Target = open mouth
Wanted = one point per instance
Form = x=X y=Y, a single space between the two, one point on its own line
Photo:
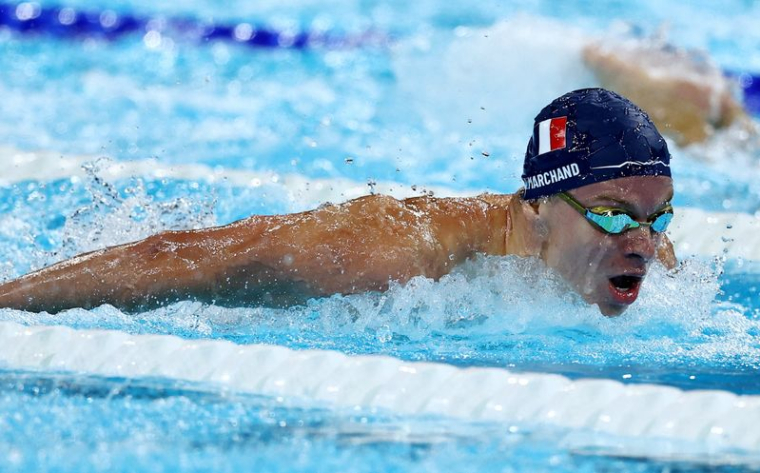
x=625 y=288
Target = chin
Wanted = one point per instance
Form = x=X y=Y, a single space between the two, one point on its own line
x=611 y=310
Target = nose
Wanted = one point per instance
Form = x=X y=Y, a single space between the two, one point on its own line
x=641 y=243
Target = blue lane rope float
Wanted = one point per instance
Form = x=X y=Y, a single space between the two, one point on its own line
x=109 y=25
x=750 y=85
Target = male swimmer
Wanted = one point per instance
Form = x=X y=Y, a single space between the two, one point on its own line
x=595 y=207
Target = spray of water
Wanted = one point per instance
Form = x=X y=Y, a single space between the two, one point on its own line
x=114 y=217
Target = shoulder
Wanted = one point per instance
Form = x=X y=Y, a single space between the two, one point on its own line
x=386 y=201
x=498 y=200
x=468 y=224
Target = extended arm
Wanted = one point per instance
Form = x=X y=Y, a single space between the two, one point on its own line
x=272 y=260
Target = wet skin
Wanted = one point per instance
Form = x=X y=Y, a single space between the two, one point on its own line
x=588 y=258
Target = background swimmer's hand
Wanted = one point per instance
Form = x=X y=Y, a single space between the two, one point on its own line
x=685 y=94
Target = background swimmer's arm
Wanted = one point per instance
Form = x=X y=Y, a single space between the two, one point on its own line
x=686 y=96
x=276 y=260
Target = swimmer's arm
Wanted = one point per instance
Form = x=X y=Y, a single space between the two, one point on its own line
x=271 y=260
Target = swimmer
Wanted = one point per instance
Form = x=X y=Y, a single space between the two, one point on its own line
x=594 y=208
x=687 y=96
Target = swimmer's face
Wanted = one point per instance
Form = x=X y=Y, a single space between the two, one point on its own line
x=606 y=270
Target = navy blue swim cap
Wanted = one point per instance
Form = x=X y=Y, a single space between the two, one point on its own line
x=588 y=136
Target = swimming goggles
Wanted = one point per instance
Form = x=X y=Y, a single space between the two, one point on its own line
x=615 y=221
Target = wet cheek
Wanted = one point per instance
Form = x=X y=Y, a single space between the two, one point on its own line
x=583 y=249
x=576 y=251
x=589 y=268
x=572 y=262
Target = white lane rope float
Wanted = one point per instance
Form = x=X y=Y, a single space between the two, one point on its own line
x=718 y=417
x=488 y=394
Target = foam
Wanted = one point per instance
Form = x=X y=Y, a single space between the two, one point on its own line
x=490 y=394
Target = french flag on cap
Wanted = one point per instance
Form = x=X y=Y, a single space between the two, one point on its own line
x=551 y=134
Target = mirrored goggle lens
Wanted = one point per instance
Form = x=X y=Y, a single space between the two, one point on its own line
x=611 y=223
x=662 y=221
x=615 y=224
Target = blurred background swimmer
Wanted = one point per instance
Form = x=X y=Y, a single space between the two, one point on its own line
x=685 y=93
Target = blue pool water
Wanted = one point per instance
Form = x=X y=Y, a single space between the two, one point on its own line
x=446 y=103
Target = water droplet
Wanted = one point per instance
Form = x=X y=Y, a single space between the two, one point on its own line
x=384 y=334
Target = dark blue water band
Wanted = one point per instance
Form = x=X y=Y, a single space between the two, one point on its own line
x=65 y=22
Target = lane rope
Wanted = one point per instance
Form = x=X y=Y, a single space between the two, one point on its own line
x=721 y=419
x=750 y=87
x=110 y=25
